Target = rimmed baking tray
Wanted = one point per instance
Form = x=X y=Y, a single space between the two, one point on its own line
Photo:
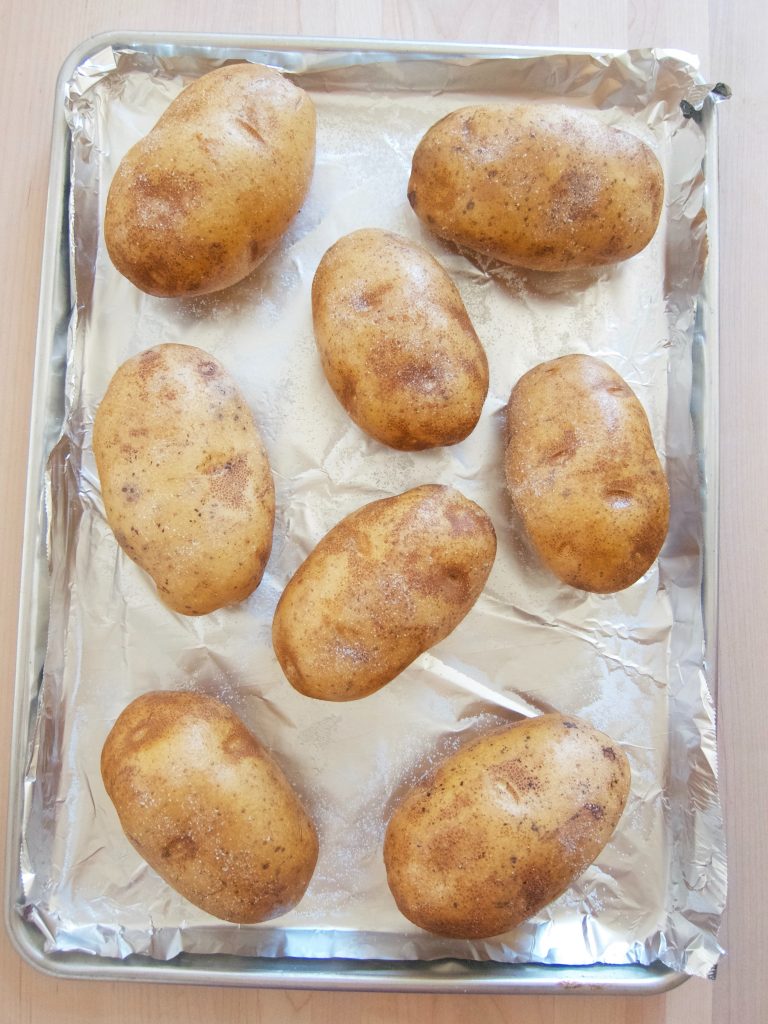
x=47 y=418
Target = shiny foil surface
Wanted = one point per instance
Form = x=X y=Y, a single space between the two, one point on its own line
x=634 y=664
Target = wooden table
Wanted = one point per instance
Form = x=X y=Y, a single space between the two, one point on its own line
x=732 y=41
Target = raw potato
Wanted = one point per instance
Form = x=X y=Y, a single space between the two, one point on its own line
x=207 y=807
x=584 y=475
x=198 y=203
x=185 y=479
x=396 y=343
x=540 y=187
x=388 y=582
x=504 y=826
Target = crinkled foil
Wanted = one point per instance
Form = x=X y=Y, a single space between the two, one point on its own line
x=632 y=663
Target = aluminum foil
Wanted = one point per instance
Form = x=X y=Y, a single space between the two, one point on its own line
x=632 y=663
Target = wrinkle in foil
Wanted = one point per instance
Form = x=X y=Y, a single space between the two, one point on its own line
x=631 y=663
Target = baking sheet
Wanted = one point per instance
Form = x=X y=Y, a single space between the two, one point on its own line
x=632 y=663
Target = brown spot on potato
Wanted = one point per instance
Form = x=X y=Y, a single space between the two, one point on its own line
x=182 y=847
x=149 y=363
x=375 y=295
x=256 y=251
x=229 y=480
x=461 y=316
x=250 y=129
x=536 y=885
x=165 y=193
x=422 y=378
x=565 y=448
x=515 y=775
x=451 y=585
x=346 y=390
x=238 y=744
x=575 y=193
x=461 y=520
x=130 y=492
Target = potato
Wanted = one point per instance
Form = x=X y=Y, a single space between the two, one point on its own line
x=396 y=343
x=504 y=826
x=185 y=479
x=198 y=203
x=584 y=475
x=388 y=582
x=540 y=187
x=207 y=808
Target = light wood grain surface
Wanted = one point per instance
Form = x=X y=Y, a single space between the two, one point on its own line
x=732 y=41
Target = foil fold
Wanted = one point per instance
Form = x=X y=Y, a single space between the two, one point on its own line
x=633 y=663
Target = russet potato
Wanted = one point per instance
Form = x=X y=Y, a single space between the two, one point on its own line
x=584 y=475
x=385 y=584
x=504 y=826
x=540 y=187
x=207 y=807
x=200 y=201
x=185 y=478
x=396 y=343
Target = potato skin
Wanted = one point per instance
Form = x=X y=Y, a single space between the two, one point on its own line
x=199 y=202
x=504 y=826
x=385 y=584
x=584 y=475
x=207 y=808
x=396 y=343
x=540 y=187
x=185 y=478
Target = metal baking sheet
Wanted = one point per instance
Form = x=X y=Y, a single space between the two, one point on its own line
x=418 y=82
